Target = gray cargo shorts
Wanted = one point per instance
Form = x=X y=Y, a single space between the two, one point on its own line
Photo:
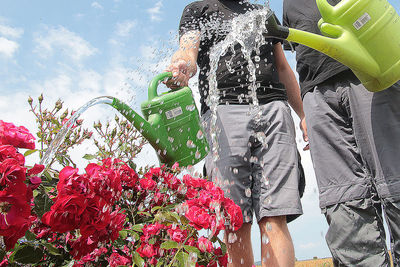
x=255 y=161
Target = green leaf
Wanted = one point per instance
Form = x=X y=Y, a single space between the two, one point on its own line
x=169 y=244
x=192 y=249
x=29 y=152
x=160 y=263
x=28 y=255
x=137 y=228
x=42 y=204
x=182 y=258
x=155 y=209
x=30 y=236
x=89 y=156
x=144 y=213
x=52 y=249
x=138 y=259
x=123 y=234
x=2 y=254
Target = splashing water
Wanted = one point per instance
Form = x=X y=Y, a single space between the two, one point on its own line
x=60 y=137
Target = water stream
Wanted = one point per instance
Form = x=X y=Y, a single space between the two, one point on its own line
x=60 y=137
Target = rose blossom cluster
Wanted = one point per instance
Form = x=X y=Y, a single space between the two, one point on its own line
x=16 y=184
x=87 y=202
x=199 y=205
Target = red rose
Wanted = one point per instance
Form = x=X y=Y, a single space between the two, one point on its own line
x=205 y=245
x=153 y=172
x=177 y=234
x=128 y=176
x=15 y=218
x=151 y=230
x=82 y=247
x=38 y=168
x=147 y=184
x=191 y=193
x=147 y=250
x=16 y=136
x=66 y=213
x=71 y=182
x=234 y=214
x=222 y=259
x=116 y=260
x=11 y=172
x=193 y=182
x=172 y=181
x=105 y=182
x=10 y=152
x=198 y=217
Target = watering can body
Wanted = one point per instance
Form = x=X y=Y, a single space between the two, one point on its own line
x=362 y=34
x=171 y=124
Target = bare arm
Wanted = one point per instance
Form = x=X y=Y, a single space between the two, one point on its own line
x=183 y=63
x=287 y=77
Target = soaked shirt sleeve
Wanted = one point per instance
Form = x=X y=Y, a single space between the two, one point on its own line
x=190 y=19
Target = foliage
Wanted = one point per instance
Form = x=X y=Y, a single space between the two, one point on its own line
x=109 y=215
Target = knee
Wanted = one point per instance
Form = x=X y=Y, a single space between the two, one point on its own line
x=273 y=224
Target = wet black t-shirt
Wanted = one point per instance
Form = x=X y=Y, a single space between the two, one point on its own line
x=313 y=67
x=211 y=18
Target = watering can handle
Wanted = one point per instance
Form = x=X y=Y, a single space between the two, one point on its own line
x=329 y=13
x=155 y=82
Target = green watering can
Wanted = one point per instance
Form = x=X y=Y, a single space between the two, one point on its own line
x=361 y=34
x=171 y=124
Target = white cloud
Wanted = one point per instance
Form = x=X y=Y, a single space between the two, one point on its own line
x=11 y=32
x=96 y=5
x=68 y=43
x=309 y=245
x=8 y=47
x=124 y=28
x=90 y=80
x=155 y=11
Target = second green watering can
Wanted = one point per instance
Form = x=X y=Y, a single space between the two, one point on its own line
x=171 y=124
x=362 y=34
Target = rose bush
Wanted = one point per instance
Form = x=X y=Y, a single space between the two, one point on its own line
x=112 y=213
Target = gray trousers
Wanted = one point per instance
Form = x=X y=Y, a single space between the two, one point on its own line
x=355 y=147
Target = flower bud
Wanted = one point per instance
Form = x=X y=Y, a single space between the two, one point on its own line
x=30 y=100
x=58 y=104
x=40 y=98
x=116 y=118
x=64 y=115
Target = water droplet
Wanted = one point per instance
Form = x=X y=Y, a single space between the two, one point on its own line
x=190 y=144
x=265 y=239
x=232 y=238
x=200 y=134
x=248 y=192
x=235 y=170
x=190 y=107
x=197 y=155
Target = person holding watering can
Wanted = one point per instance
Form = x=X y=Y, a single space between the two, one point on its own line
x=355 y=147
x=267 y=185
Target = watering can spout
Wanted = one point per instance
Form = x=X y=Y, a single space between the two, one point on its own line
x=361 y=34
x=141 y=124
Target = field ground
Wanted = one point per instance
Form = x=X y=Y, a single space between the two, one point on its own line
x=324 y=262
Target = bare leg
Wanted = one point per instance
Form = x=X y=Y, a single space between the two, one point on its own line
x=276 y=244
x=239 y=246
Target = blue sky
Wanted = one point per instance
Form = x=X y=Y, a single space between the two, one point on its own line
x=78 y=50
